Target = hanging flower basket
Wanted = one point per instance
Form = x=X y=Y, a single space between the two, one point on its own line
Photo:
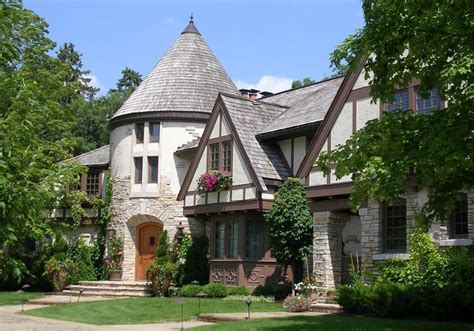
x=213 y=181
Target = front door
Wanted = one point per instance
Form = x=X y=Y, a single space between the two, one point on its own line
x=148 y=237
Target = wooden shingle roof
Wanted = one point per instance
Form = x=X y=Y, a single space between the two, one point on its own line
x=187 y=79
x=96 y=157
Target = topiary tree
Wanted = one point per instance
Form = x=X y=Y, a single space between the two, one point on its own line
x=291 y=223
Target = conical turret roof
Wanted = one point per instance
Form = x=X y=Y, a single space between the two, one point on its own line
x=187 y=79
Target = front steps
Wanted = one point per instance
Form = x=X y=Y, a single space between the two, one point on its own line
x=326 y=308
x=110 y=289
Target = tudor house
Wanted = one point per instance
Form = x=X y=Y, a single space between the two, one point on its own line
x=281 y=135
x=187 y=119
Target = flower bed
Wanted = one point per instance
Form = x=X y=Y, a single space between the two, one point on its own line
x=213 y=181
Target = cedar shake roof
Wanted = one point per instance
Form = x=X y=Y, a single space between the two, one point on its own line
x=307 y=104
x=96 y=157
x=249 y=117
x=188 y=78
x=188 y=148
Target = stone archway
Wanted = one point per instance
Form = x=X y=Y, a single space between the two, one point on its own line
x=147 y=230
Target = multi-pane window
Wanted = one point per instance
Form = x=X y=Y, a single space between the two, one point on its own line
x=93 y=183
x=254 y=245
x=395 y=226
x=138 y=161
x=214 y=164
x=400 y=101
x=153 y=169
x=232 y=239
x=139 y=132
x=219 y=240
x=458 y=224
x=154 y=132
x=227 y=156
x=425 y=106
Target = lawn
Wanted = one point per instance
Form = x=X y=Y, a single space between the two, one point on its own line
x=303 y=323
x=15 y=298
x=144 y=310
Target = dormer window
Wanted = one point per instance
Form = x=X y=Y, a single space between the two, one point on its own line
x=425 y=106
x=220 y=156
x=400 y=102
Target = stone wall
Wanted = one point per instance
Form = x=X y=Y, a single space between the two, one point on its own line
x=128 y=213
x=327 y=248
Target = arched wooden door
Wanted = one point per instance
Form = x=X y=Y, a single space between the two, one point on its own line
x=147 y=240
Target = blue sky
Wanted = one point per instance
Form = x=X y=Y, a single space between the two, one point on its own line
x=263 y=44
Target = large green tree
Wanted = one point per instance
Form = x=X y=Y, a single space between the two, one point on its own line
x=432 y=41
x=93 y=115
x=290 y=224
x=34 y=125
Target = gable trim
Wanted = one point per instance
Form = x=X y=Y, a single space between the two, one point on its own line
x=201 y=147
x=329 y=121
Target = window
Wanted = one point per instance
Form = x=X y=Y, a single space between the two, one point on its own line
x=395 y=226
x=138 y=169
x=227 y=156
x=400 y=102
x=214 y=157
x=154 y=132
x=458 y=224
x=139 y=132
x=425 y=106
x=254 y=245
x=220 y=156
x=93 y=183
x=220 y=237
x=153 y=169
x=232 y=240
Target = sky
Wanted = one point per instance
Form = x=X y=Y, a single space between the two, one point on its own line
x=262 y=44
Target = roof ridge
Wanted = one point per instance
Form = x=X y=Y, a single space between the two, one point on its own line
x=302 y=87
x=258 y=101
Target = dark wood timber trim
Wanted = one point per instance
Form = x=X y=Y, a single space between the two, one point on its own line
x=329 y=190
x=187 y=116
x=329 y=120
x=272 y=182
x=360 y=93
x=297 y=131
x=253 y=204
x=201 y=148
x=354 y=116
x=219 y=139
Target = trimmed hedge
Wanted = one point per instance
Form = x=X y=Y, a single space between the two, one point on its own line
x=386 y=299
x=240 y=290
x=190 y=290
x=278 y=292
x=215 y=290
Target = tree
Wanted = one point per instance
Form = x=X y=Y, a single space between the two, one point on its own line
x=34 y=133
x=93 y=115
x=290 y=224
x=68 y=55
x=431 y=41
x=306 y=81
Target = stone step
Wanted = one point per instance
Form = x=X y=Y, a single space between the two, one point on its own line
x=328 y=308
x=109 y=289
x=106 y=293
x=109 y=284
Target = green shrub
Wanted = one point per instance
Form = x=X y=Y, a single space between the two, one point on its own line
x=82 y=267
x=240 y=290
x=215 y=290
x=196 y=267
x=278 y=292
x=190 y=290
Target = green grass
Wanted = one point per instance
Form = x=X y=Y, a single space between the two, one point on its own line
x=144 y=310
x=303 y=323
x=14 y=298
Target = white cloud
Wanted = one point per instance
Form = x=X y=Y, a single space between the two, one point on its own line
x=272 y=84
x=94 y=81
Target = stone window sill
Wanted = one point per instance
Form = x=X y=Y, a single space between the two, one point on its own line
x=136 y=195
x=455 y=242
x=386 y=256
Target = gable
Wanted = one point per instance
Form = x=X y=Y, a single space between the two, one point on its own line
x=349 y=112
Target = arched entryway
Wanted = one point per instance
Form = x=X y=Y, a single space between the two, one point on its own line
x=148 y=235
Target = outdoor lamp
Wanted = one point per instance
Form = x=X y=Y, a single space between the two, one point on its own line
x=110 y=233
x=248 y=302
x=179 y=234
x=200 y=295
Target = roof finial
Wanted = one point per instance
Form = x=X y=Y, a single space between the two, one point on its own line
x=191 y=18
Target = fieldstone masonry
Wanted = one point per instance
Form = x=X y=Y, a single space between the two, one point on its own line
x=128 y=213
x=327 y=248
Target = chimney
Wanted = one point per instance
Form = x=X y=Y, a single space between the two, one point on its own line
x=249 y=93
